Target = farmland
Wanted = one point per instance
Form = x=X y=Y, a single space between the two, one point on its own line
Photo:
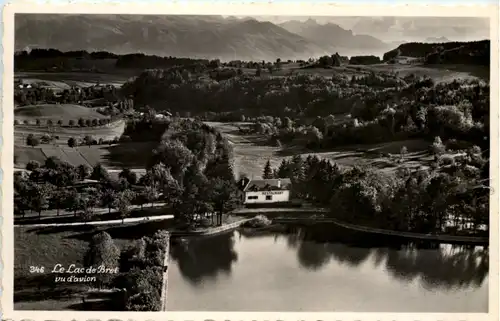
x=55 y=112
x=106 y=132
x=64 y=80
x=251 y=154
x=116 y=156
x=438 y=73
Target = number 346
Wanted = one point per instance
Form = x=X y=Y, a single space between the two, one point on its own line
x=37 y=269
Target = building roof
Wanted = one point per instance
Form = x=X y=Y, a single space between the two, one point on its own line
x=257 y=185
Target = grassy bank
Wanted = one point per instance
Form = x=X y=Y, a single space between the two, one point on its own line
x=63 y=245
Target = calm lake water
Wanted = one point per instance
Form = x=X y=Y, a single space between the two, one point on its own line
x=292 y=271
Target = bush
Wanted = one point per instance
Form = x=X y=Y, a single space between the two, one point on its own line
x=446 y=160
x=205 y=222
x=32 y=165
x=258 y=221
x=144 y=301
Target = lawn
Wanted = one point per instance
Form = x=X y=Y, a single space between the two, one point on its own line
x=63 y=80
x=134 y=155
x=62 y=245
x=23 y=155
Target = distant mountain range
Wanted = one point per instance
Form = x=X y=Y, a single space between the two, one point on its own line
x=332 y=35
x=226 y=38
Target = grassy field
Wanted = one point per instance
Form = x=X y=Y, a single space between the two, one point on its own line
x=62 y=245
x=107 y=132
x=56 y=112
x=439 y=73
x=64 y=80
x=251 y=153
x=117 y=156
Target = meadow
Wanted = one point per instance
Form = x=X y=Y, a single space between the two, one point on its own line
x=251 y=153
x=116 y=156
x=439 y=73
x=64 y=80
x=55 y=112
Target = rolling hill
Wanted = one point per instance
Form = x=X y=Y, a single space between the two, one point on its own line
x=466 y=53
x=56 y=112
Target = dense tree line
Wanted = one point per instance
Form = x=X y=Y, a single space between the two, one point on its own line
x=39 y=59
x=364 y=60
x=253 y=96
x=74 y=95
x=450 y=197
x=142 y=61
x=420 y=109
x=474 y=52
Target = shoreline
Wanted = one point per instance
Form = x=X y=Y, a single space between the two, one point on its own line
x=471 y=240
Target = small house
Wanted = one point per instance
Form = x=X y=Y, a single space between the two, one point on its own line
x=265 y=191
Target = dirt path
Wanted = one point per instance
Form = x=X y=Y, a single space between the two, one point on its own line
x=127 y=220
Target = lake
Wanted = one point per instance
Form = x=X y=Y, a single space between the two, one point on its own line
x=292 y=271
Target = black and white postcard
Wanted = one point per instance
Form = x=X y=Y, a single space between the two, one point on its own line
x=237 y=159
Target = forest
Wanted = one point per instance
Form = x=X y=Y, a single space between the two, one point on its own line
x=363 y=109
x=473 y=52
x=451 y=197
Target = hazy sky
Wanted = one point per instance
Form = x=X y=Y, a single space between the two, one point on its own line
x=403 y=28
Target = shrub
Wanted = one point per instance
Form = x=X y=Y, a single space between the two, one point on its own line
x=46 y=138
x=144 y=301
x=32 y=165
x=446 y=160
x=437 y=146
x=258 y=221
x=72 y=142
x=31 y=140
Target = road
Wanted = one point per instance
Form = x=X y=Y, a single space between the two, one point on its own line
x=51 y=214
x=127 y=220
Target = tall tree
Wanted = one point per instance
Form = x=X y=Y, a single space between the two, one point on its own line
x=102 y=252
x=268 y=171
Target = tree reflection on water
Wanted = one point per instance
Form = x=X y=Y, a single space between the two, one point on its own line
x=443 y=267
x=204 y=258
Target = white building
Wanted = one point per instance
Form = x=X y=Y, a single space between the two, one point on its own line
x=265 y=191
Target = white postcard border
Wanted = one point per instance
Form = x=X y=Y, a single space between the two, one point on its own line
x=230 y=8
